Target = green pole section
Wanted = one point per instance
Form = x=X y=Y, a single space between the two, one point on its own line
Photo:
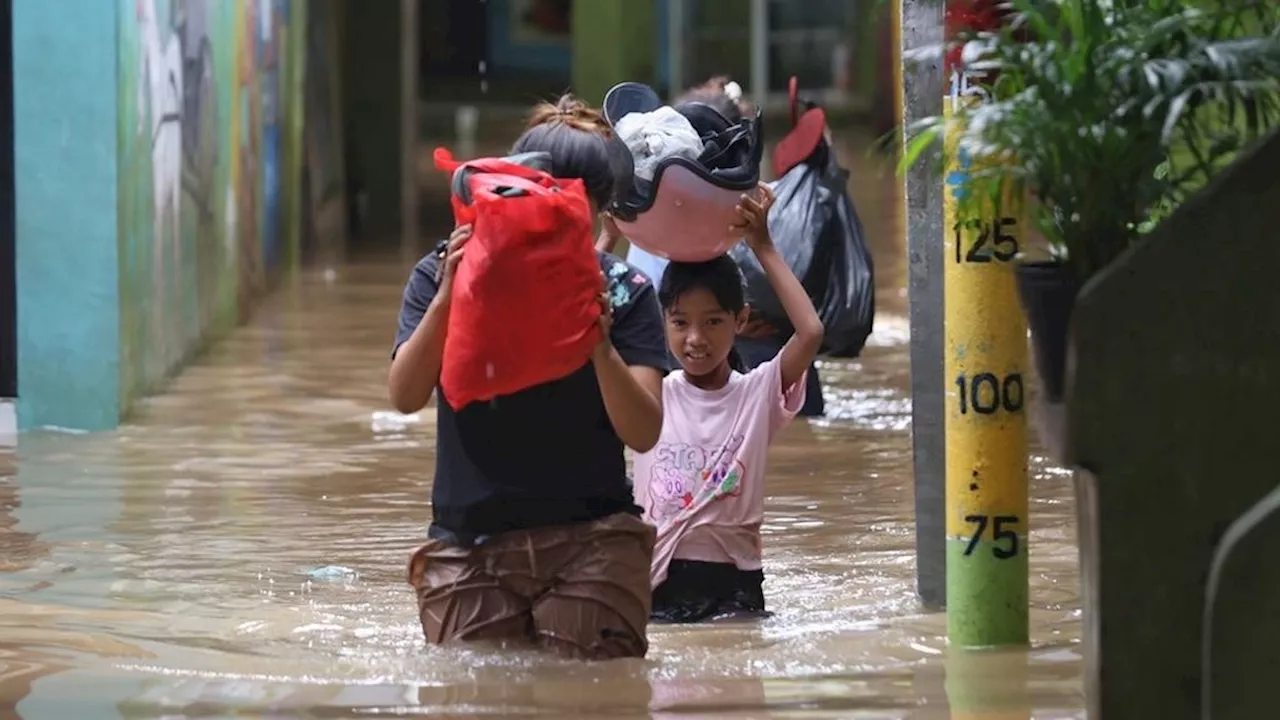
x=612 y=43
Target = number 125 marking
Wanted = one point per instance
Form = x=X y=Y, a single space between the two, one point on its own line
x=992 y=241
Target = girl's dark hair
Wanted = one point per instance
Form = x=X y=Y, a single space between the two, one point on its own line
x=576 y=137
x=719 y=276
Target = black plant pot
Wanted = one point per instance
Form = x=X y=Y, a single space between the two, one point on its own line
x=1048 y=293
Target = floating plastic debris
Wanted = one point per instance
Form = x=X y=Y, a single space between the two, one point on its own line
x=333 y=572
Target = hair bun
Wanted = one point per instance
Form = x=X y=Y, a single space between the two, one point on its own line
x=570 y=111
x=570 y=105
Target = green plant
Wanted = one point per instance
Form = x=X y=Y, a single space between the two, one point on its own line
x=1109 y=112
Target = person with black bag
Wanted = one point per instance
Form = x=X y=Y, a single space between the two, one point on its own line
x=817 y=231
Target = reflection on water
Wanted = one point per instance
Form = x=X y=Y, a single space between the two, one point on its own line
x=240 y=547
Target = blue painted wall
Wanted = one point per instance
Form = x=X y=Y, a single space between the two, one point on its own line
x=64 y=93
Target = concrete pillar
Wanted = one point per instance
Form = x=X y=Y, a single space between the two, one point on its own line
x=921 y=86
x=759 y=52
x=65 y=127
x=613 y=41
x=409 y=30
x=295 y=137
x=372 y=113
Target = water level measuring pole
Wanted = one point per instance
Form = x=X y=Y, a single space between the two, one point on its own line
x=985 y=354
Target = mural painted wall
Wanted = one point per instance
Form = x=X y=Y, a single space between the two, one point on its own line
x=203 y=90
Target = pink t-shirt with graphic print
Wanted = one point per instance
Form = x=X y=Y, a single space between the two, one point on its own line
x=702 y=485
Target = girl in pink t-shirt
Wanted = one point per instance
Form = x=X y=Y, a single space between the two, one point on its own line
x=702 y=485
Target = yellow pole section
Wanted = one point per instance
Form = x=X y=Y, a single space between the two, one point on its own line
x=985 y=341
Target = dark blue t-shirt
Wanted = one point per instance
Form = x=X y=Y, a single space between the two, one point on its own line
x=543 y=456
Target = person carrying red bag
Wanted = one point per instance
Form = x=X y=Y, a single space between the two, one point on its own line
x=536 y=535
x=530 y=246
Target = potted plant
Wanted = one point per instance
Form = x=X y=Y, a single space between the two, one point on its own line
x=1103 y=115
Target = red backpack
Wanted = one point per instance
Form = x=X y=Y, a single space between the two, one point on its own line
x=524 y=308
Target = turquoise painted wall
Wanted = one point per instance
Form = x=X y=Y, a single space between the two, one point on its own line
x=64 y=93
x=158 y=159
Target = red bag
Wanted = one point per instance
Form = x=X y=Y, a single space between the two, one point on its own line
x=524 y=308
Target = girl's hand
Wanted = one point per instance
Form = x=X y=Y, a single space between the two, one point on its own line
x=450 y=256
x=632 y=395
x=610 y=226
x=610 y=234
x=605 y=346
x=755 y=218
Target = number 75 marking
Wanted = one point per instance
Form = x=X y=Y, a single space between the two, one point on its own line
x=998 y=533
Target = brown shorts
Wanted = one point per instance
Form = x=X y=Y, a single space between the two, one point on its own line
x=579 y=590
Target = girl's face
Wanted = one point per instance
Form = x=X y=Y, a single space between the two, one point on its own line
x=700 y=333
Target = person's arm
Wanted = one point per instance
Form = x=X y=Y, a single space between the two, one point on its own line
x=632 y=398
x=802 y=347
x=631 y=360
x=424 y=316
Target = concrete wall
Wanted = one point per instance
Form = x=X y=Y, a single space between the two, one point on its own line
x=158 y=153
x=1171 y=409
x=323 y=199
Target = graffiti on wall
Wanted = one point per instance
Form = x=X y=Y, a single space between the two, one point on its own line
x=201 y=107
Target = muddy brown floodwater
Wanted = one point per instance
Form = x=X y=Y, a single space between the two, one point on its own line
x=166 y=570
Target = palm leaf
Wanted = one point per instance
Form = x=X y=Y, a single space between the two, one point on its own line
x=1108 y=111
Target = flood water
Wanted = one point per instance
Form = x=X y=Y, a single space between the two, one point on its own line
x=238 y=549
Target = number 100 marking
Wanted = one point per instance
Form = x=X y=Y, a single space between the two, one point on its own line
x=986 y=393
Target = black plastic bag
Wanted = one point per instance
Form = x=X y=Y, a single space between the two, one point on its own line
x=816 y=229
